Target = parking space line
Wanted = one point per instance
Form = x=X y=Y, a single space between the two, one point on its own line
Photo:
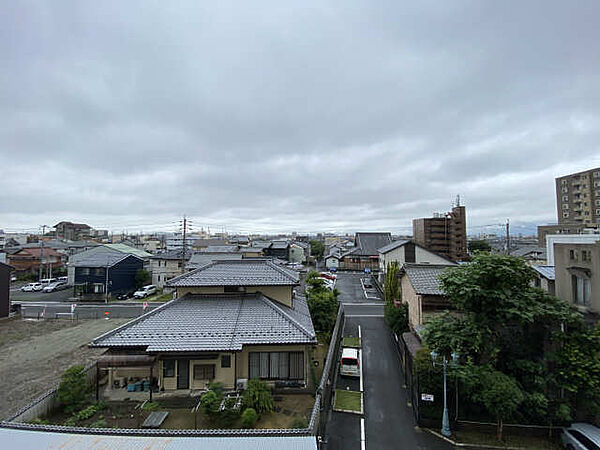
x=363 y=440
x=360 y=361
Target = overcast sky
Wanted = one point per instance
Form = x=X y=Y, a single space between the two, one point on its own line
x=280 y=116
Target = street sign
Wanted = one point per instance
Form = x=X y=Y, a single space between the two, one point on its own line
x=367 y=270
x=427 y=397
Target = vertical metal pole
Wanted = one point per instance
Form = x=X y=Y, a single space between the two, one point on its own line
x=150 y=382
x=97 y=382
x=445 y=421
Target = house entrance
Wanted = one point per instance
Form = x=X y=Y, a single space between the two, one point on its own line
x=183 y=374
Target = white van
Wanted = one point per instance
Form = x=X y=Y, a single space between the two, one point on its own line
x=349 y=364
x=47 y=280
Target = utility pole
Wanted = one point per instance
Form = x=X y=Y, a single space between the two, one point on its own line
x=507 y=237
x=185 y=223
x=42 y=250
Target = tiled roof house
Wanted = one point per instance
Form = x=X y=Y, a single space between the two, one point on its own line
x=230 y=321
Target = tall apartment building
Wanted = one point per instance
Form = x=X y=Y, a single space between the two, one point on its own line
x=578 y=198
x=445 y=234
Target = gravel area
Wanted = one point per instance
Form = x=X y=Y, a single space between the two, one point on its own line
x=34 y=354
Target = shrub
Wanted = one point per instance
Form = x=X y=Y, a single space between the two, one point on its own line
x=150 y=406
x=299 y=422
x=73 y=390
x=38 y=421
x=258 y=396
x=210 y=403
x=249 y=418
x=216 y=387
x=70 y=422
x=100 y=423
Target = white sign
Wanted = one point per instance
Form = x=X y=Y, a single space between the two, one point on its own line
x=427 y=397
x=73 y=306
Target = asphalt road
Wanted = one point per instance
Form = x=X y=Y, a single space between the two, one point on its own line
x=389 y=423
x=49 y=310
x=57 y=296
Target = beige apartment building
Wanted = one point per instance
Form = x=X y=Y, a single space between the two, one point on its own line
x=578 y=198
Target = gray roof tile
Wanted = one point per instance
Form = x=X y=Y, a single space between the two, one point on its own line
x=367 y=244
x=425 y=277
x=237 y=273
x=214 y=323
x=100 y=256
x=545 y=271
x=394 y=245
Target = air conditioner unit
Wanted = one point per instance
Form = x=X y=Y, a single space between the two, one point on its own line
x=242 y=383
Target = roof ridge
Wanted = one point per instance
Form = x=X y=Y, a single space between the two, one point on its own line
x=191 y=272
x=278 y=309
x=135 y=320
x=283 y=271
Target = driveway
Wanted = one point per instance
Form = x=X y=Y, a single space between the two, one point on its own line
x=388 y=421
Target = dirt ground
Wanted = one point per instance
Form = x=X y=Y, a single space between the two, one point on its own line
x=33 y=355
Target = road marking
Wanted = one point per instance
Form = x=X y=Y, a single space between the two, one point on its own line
x=360 y=360
x=362 y=434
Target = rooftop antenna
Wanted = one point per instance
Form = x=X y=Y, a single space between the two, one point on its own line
x=458 y=200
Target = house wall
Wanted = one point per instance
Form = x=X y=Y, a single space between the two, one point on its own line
x=4 y=290
x=121 y=276
x=414 y=302
x=226 y=375
x=242 y=363
x=565 y=267
x=297 y=254
x=282 y=294
x=163 y=270
x=332 y=262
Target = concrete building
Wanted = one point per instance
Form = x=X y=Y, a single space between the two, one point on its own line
x=567 y=239
x=445 y=234
x=545 y=279
x=72 y=231
x=577 y=273
x=578 y=198
x=566 y=228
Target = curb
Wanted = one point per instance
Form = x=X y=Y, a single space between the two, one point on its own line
x=463 y=445
x=351 y=411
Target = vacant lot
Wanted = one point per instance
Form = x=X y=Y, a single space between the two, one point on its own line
x=33 y=355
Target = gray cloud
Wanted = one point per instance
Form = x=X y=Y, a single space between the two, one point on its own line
x=270 y=116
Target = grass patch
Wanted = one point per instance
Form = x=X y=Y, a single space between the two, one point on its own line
x=352 y=342
x=348 y=400
x=508 y=440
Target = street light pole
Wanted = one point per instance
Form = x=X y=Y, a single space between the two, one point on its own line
x=445 y=419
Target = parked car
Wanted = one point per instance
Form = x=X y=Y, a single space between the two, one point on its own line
x=145 y=291
x=65 y=279
x=32 y=287
x=349 y=363
x=47 y=280
x=125 y=295
x=328 y=276
x=56 y=286
x=581 y=436
x=367 y=283
x=13 y=278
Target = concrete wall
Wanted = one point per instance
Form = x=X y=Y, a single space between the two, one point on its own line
x=565 y=268
x=424 y=256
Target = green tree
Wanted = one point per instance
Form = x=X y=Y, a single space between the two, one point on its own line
x=479 y=246
x=501 y=396
x=395 y=316
x=142 y=278
x=317 y=249
x=258 y=396
x=73 y=391
x=322 y=303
